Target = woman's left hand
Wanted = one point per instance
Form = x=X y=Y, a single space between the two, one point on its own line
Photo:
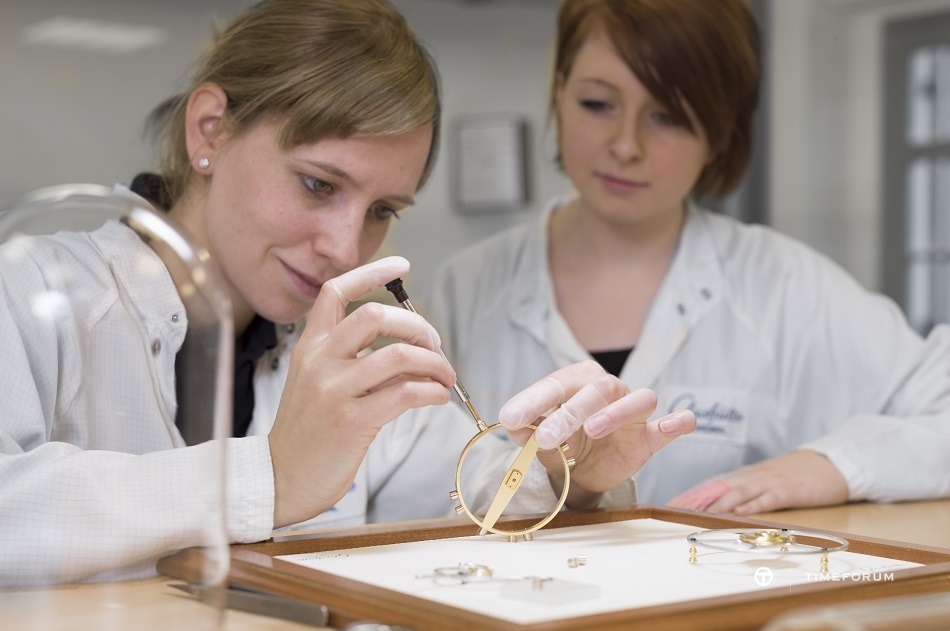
x=616 y=439
x=798 y=479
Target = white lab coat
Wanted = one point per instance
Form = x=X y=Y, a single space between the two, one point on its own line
x=773 y=346
x=95 y=480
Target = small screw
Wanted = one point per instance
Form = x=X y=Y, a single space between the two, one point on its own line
x=576 y=561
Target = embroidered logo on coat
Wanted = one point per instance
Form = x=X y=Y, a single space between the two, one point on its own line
x=705 y=415
x=720 y=412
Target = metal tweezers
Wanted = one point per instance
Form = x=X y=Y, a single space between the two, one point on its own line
x=261 y=603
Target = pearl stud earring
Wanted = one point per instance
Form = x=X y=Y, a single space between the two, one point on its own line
x=204 y=163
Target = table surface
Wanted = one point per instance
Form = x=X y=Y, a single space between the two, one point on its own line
x=154 y=604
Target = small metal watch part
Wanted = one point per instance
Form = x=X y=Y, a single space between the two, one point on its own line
x=766 y=541
x=576 y=561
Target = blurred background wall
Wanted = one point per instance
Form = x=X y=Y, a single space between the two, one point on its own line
x=73 y=111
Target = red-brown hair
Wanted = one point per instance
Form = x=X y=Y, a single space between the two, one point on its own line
x=701 y=52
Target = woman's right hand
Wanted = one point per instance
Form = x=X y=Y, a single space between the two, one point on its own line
x=334 y=403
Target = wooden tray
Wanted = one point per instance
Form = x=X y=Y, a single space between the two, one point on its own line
x=253 y=566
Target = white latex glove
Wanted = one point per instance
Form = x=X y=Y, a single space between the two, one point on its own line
x=335 y=402
x=616 y=439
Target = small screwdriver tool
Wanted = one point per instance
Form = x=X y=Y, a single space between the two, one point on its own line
x=396 y=289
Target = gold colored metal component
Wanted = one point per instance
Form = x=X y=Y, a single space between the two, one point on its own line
x=514 y=479
x=509 y=485
x=478 y=421
x=453 y=495
x=512 y=538
x=528 y=536
x=511 y=482
x=577 y=561
x=459 y=509
x=766 y=538
x=565 y=446
x=766 y=542
x=571 y=462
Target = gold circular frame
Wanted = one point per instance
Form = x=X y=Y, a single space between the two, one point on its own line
x=500 y=531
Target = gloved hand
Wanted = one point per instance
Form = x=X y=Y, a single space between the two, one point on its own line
x=616 y=439
x=334 y=403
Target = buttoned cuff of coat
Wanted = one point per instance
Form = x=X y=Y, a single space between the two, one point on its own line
x=855 y=475
x=849 y=449
x=887 y=459
x=250 y=491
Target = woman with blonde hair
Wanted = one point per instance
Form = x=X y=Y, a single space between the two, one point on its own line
x=309 y=125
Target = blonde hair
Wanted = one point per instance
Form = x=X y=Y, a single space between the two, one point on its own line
x=325 y=68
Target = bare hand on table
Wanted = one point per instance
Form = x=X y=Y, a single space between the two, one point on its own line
x=616 y=439
x=334 y=403
x=799 y=479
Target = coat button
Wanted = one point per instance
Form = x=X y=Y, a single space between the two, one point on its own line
x=156 y=347
x=274 y=364
x=175 y=317
x=288 y=328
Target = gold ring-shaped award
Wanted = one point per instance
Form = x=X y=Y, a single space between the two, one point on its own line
x=509 y=486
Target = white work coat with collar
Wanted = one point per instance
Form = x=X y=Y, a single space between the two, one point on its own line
x=772 y=345
x=95 y=480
